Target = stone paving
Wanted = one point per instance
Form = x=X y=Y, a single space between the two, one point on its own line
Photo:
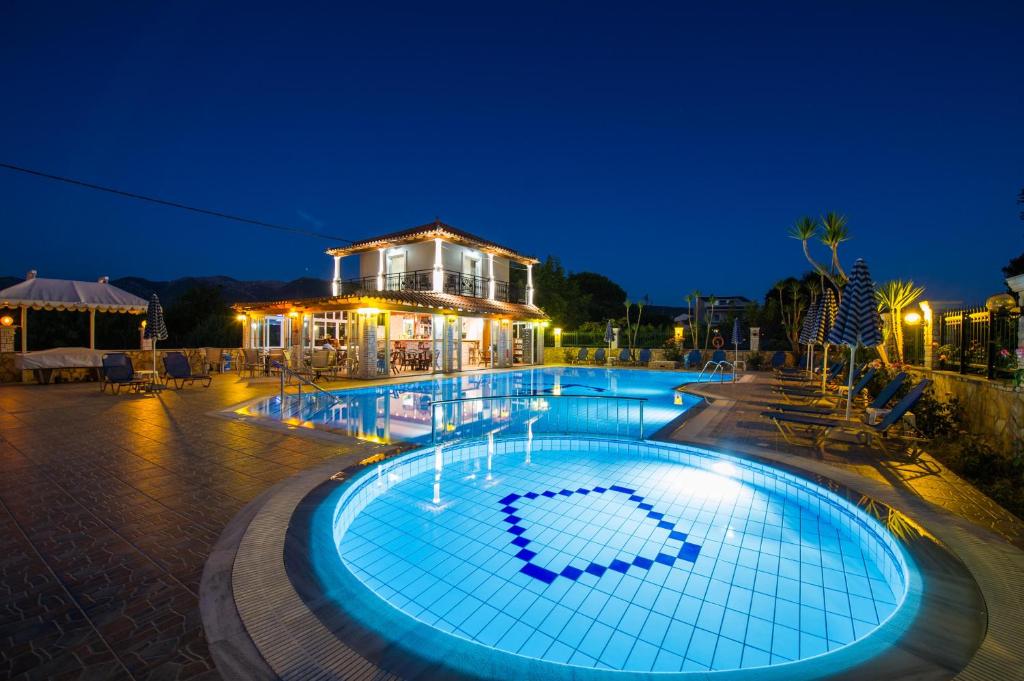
x=110 y=505
x=108 y=509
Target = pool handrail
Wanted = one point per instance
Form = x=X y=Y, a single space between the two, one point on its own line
x=534 y=395
x=716 y=366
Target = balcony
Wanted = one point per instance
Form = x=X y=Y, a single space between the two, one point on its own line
x=454 y=283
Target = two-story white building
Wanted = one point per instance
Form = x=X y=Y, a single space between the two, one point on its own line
x=431 y=298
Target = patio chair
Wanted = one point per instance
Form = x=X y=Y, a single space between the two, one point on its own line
x=622 y=358
x=778 y=360
x=250 y=361
x=179 y=371
x=599 y=357
x=644 y=358
x=581 y=356
x=872 y=434
x=718 y=356
x=882 y=399
x=692 y=359
x=118 y=371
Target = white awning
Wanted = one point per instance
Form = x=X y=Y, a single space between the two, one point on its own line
x=65 y=294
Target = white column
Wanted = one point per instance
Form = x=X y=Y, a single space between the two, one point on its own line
x=380 y=269
x=503 y=344
x=438 y=267
x=336 y=284
x=529 y=284
x=490 y=275
x=928 y=332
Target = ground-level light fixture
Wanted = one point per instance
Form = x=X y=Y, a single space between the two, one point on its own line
x=912 y=318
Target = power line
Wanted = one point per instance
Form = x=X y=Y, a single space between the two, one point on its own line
x=173 y=204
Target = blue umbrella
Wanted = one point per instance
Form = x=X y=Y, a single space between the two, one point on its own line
x=826 y=319
x=858 y=322
x=807 y=331
x=156 y=329
x=736 y=340
x=609 y=335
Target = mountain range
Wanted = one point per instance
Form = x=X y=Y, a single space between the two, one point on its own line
x=232 y=290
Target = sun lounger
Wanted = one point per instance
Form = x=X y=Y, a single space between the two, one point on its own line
x=117 y=372
x=873 y=434
x=178 y=370
x=622 y=358
x=778 y=360
x=693 y=359
x=813 y=409
x=581 y=356
x=599 y=357
x=645 y=358
x=879 y=402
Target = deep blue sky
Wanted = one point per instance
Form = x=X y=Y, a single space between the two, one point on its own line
x=667 y=147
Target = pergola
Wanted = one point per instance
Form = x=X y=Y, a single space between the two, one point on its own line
x=67 y=295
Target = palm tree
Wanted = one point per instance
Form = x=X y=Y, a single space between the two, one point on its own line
x=712 y=301
x=693 y=316
x=835 y=232
x=804 y=230
x=639 y=313
x=892 y=297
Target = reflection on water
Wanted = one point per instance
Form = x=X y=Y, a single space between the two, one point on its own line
x=390 y=413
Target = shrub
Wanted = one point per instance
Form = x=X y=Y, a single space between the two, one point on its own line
x=755 y=361
x=673 y=353
x=569 y=355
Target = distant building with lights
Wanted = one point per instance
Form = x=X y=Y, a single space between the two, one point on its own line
x=453 y=300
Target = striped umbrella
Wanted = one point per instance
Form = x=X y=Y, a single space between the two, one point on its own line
x=736 y=340
x=156 y=329
x=808 y=329
x=826 y=319
x=857 y=322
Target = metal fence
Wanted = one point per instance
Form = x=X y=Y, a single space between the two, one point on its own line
x=978 y=341
x=468 y=417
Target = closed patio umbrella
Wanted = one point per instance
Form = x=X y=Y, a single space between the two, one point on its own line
x=857 y=322
x=823 y=324
x=736 y=340
x=156 y=329
x=609 y=335
x=807 y=330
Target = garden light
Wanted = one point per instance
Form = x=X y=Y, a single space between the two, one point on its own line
x=6 y=320
x=912 y=318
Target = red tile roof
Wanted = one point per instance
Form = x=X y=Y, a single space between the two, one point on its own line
x=433 y=230
x=440 y=302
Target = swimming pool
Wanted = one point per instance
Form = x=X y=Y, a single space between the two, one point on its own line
x=566 y=557
x=402 y=412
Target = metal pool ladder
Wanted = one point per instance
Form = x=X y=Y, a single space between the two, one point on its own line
x=718 y=368
x=301 y=380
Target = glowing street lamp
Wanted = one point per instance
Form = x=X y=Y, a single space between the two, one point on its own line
x=912 y=318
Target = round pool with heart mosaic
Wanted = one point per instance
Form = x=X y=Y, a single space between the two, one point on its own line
x=617 y=555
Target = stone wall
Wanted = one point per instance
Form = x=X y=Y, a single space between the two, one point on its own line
x=557 y=355
x=992 y=409
x=141 y=359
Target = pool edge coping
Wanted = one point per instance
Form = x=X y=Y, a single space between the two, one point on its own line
x=272 y=512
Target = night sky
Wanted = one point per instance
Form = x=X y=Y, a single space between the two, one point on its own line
x=669 y=148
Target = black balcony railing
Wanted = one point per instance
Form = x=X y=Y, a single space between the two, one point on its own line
x=454 y=283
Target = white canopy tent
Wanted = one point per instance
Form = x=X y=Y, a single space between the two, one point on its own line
x=67 y=295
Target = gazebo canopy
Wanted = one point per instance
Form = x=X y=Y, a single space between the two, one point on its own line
x=64 y=294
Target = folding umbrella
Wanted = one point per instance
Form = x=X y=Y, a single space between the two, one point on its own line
x=736 y=340
x=156 y=329
x=826 y=319
x=808 y=329
x=857 y=322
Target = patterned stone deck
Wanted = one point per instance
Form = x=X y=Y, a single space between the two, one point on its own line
x=109 y=507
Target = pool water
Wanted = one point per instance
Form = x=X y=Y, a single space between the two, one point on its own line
x=617 y=555
x=402 y=412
